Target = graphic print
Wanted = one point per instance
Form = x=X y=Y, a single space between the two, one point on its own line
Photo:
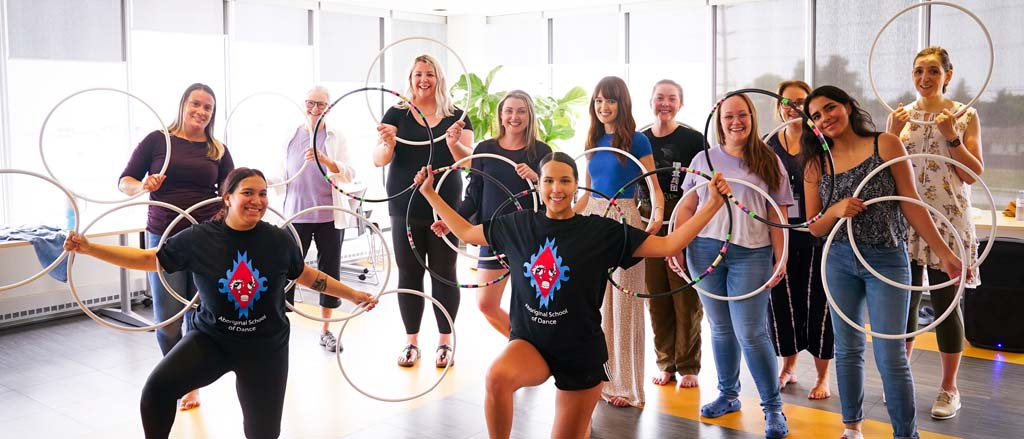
x=243 y=285
x=546 y=272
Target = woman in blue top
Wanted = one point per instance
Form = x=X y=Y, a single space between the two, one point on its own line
x=612 y=124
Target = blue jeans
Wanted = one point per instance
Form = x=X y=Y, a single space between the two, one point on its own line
x=164 y=305
x=738 y=326
x=852 y=287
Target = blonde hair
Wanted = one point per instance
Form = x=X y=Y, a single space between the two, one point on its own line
x=443 y=104
x=531 y=131
x=214 y=149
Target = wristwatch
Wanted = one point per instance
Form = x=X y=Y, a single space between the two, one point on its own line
x=954 y=143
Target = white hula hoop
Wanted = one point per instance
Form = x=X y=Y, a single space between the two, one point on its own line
x=437 y=186
x=42 y=133
x=92 y=315
x=160 y=272
x=447 y=366
x=652 y=180
x=785 y=238
x=991 y=57
x=776 y=130
x=227 y=129
x=981 y=258
x=374 y=230
x=63 y=254
x=828 y=293
x=465 y=73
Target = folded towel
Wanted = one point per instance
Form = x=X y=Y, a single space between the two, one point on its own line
x=47 y=241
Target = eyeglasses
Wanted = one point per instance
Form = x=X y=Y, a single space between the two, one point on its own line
x=311 y=104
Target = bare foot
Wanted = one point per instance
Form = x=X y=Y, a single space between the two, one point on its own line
x=662 y=378
x=786 y=377
x=189 y=401
x=820 y=390
x=688 y=381
x=617 y=401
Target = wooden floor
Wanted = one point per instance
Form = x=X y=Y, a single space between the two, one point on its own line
x=72 y=378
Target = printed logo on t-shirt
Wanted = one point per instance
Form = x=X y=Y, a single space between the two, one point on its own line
x=243 y=285
x=546 y=272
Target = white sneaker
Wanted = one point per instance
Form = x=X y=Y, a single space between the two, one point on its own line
x=946 y=405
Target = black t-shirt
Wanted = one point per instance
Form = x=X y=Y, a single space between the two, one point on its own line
x=795 y=169
x=482 y=195
x=408 y=160
x=240 y=276
x=559 y=275
x=676 y=149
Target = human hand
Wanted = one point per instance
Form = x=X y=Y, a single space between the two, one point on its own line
x=944 y=121
x=778 y=277
x=656 y=222
x=440 y=228
x=77 y=243
x=363 y=299
x=454 y=133
x=847 y=208
x=326 y=161
x=387 y=134
x=677 y=265
x=425 y=180
x=152 y=182
x=900 y=117
x=526 y=173
x=722 y=187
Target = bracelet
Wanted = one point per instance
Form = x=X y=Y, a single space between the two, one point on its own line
x=954 y=143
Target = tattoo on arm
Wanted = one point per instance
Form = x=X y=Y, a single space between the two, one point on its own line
x=320 y=284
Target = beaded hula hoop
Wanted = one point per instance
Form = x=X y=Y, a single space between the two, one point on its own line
x=227 y=129
x=451 y=168
x=810 y=124
x=651 y=181
x=991 y=56
x=672 y=217
x=412 y=243
x=778 y=266
x=323 y=171
x=465 y=73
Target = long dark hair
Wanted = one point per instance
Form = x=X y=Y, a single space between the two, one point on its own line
x=230 y=185
x=613 y=87
x=860 y=122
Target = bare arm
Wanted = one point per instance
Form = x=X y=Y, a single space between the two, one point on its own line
x=778 y=244
x=128 y=257
x=128 y=185
x=688 y=228
x=384 y=152
x=318 y=281
x=658 y=208
x=581 y=203
x=455 y=222
x=847 y=207
x=969 y=153
x=459 y=141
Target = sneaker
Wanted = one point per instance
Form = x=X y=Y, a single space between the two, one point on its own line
x=328 y=341
x=719 y=407
x=775 y=426
x=946 y=405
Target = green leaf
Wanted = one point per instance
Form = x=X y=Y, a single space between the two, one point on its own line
x=490 y=76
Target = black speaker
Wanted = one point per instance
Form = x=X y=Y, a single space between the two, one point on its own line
x=992 y=312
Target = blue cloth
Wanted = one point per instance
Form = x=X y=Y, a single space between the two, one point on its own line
x=48 y=241
x=608 y=173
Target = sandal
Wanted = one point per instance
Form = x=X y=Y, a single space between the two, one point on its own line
x=719 y=407
x=444 y=357
x=410 y=354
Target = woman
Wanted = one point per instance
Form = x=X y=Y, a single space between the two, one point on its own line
x=741 y=326
x=798 y=317
x=326 y=227
x=199 y=162
x=881 y=232
x=240 y=265
x=675 y=320
x=428 y=92
x=516 y=141
x=946 y=188
x=612 y=124
x=560 y=260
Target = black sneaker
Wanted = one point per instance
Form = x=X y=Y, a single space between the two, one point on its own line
x=328 y=341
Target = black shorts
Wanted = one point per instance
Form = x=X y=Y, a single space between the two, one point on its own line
x=485 y=251
x=579 y=379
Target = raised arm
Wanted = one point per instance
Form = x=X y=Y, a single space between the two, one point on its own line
x=128 y=257
x=689 y=227
x=455 y=222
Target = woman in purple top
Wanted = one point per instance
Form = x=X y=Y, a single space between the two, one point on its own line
x=308 y=189
x=199 y=162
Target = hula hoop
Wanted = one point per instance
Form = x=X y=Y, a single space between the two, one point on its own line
x=991 y=57
x=92 y=315
x=323 y=171
x=465 y=73
x=46 y=165
x=672 y=219
x=948 y=160
x=848 y=320
x=412 y=243
x=64 y=253
x=810 y=125
x=174 y=222
x=778 y=266
x=776 y=130
x=373 y=229
x=651 y=181
x=440 y=181
x=227 y=126
x=444 y=373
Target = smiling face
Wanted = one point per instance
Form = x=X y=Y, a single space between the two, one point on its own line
x=929 y=76
x=666 y=102
x=515 y=116
x=735 y=121
x=796 y=95
x=197 y=110
x=247 y=203
x=423 y=80
x=316 y=105
x=557 y=186
x=606 y=109
x=831 y=117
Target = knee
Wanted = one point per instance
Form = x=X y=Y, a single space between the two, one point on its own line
x=500 y=381
x=488 y=305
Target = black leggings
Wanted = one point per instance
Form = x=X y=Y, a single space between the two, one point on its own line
x=197 y=361
x=328 y=255
x=440 y=258
x=949 y=335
